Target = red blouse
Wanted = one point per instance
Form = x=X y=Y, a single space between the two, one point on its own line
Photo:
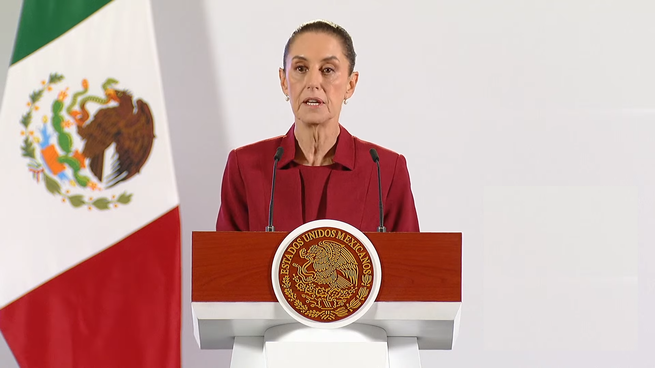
x=347 y=190
x=313 y=180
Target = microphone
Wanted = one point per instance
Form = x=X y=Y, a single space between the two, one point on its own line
x=278 y=155
x=376 y=159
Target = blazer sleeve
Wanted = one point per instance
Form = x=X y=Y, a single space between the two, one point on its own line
x=233 y=212
x=400 y=212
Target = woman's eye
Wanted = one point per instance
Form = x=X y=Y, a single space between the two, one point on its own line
x=301 y=68
x=328 y=70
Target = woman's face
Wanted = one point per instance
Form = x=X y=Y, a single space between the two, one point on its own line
x=317 y=78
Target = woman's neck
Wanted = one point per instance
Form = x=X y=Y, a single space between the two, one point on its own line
x=316 y=143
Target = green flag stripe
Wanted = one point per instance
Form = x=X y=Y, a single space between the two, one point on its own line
x=42 y=21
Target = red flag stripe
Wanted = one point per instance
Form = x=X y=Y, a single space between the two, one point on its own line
x=120 y=308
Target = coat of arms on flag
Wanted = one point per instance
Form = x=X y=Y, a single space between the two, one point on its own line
x=68 y=133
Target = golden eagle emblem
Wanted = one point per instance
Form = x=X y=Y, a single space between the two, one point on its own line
x=333 y=265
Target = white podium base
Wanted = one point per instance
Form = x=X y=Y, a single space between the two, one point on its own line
x=353 y=346
x=295 y=346
x=248 y=352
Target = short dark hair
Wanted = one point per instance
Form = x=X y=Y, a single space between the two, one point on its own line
x=324 y=26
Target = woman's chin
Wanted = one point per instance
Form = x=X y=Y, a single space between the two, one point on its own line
x=313 y=120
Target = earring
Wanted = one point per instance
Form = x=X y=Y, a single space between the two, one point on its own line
x=345 y=101
x=287 y=97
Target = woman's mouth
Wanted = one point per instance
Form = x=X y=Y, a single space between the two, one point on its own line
x=314 y=102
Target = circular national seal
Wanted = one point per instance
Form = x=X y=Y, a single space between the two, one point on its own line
x=326 y=274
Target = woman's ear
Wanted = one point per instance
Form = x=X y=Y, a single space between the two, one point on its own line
x=283 y=81
x=352 y=84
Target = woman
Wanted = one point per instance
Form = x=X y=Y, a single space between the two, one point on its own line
x=324 y=173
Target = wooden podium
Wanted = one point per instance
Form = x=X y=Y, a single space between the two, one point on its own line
x=418 y=305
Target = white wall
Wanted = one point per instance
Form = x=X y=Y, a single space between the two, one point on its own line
x=528 y=127
x=9 y=13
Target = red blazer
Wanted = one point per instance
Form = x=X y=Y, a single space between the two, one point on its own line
x=352 y=189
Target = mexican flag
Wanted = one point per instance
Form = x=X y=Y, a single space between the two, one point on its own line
x=89 y=222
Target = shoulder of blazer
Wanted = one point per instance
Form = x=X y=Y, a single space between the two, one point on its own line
x=258 y=151
x=387 y=156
